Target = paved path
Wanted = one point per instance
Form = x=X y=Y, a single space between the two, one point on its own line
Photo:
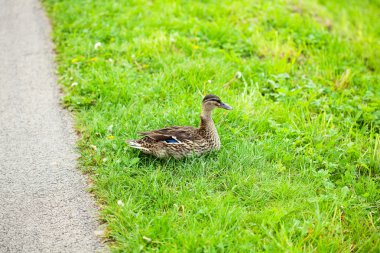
x=43 y=203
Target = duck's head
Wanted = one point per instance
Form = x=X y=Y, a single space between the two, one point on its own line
x=210 y=102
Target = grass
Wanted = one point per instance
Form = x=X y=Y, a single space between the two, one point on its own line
x=299 y=169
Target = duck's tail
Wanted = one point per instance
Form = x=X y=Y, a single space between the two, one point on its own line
x=135 y=144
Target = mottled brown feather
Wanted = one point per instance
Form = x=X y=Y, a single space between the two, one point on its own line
x=180 y=133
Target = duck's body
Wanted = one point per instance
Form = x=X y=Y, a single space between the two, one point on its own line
x=181 y=141
x=178 y=141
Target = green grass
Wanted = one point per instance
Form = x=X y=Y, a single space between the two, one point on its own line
x=299 y=169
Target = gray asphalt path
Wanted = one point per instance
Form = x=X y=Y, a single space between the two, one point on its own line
x=44 y=206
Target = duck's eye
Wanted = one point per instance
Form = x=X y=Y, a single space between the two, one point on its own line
x=214 y=102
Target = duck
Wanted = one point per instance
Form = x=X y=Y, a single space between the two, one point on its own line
x=183 y=141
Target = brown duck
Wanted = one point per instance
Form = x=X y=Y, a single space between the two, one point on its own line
x=181 y=141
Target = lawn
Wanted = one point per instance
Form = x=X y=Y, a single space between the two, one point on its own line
x=299 y=168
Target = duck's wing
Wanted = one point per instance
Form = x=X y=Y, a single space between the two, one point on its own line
x=173 y=134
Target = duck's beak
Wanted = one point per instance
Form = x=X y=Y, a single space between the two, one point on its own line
x=225 y=106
